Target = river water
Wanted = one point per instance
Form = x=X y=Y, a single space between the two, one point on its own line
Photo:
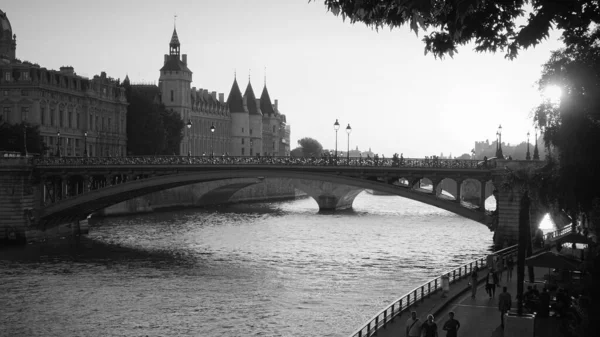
x=266 y=269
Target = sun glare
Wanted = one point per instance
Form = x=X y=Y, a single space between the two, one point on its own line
x=553 y=93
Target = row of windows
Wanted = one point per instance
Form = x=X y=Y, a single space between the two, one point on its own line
x=8 y=76
x=75 y=147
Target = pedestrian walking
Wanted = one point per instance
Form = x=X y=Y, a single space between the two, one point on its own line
x=451 y=326
x=499 y=266
x=412 y=328
x=489 y=283
x=504 y=304
x=510 y=264
x=429 y=328
x=496 y=282
x=474 y=282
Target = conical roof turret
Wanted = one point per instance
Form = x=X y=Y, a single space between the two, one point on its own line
x=235 y=101
x=251 y=100
x=265 y=102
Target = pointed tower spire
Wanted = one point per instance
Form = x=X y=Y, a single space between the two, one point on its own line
x=174 y=45
x=265 y=76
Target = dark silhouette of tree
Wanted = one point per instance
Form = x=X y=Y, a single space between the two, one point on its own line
x=12 y=138
x=151 y=128
x=297 y=152
x=491 y=25
x=173 y=127
x=572 y=126
x=310 y=147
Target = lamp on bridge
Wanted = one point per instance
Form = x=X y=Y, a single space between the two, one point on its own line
x=527 y=155
x=212 y=140
x=499 y=148
x=57 y=142
x=25 y=138
x=536 y=153
x=348 y=131
x=189 y=126
x=336 y=127
x=85 y=153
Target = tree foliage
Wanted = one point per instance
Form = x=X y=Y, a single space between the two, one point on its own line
x=12 y=138
x=491 y=25
x=572 y=126
x=310 y=147
x=151 y=128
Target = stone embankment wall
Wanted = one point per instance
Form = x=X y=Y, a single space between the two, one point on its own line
x=208 y=194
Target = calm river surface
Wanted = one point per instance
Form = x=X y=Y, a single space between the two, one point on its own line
x=268 y=269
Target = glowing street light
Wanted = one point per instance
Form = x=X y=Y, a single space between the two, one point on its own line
x=57 y=142
x=499 y=148
x=348 y=131
x=212 y=140
x=536 y=153
x=189 y=126
x=336 y=127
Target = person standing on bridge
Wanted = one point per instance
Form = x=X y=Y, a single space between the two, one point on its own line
x=429 y=328
x=412 y=328
x=451 y=326
x=474 y=279
x=504 y=304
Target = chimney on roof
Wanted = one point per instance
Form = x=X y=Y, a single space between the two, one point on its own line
x=193 y=88
x=258 y=104
x=184 y=59
x=222 y=97
x=103 y=74
x=67 y=70
x=214 y=95
x=276 y=104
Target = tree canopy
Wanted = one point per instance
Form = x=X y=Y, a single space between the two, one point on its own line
x=12 y=138
x=507 y=26
x=310 y=147
x=151 y=128
x=572 y=125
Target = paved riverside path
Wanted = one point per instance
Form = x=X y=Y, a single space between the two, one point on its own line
x=478 y=317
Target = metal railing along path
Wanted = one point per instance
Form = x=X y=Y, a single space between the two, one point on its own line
x=263 y=160
x=425 y=290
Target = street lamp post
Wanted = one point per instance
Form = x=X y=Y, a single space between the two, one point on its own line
x=348 y=131
x=536 y=153
x=189 y=126
x=527 y=156
x=499 y=150
x=58 y=143
x=85 y=153
x=25 y=139
x=212 y=140
x=336 y=127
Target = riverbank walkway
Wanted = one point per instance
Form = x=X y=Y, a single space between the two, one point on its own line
x=478 y=317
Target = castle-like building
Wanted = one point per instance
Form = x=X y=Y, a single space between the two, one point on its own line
x=72 y=111
x=81 y=116
x=244 y=125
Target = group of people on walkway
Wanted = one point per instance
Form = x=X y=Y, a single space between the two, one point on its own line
x=429 y=328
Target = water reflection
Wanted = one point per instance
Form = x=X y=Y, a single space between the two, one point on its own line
x=257 y=269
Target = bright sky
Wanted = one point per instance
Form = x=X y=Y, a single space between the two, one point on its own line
x=319 y=67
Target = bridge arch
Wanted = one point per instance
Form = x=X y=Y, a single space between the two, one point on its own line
x=87 y=203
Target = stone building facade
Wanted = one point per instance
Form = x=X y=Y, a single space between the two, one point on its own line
x=244 y=125
x=72 y=111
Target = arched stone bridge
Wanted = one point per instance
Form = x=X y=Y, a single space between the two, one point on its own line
x=71 y=188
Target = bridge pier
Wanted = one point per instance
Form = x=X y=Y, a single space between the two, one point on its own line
x=329 y=196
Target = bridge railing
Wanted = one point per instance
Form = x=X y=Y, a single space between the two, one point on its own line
x=419 y=293
x=285 y=161
x=423 y=291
